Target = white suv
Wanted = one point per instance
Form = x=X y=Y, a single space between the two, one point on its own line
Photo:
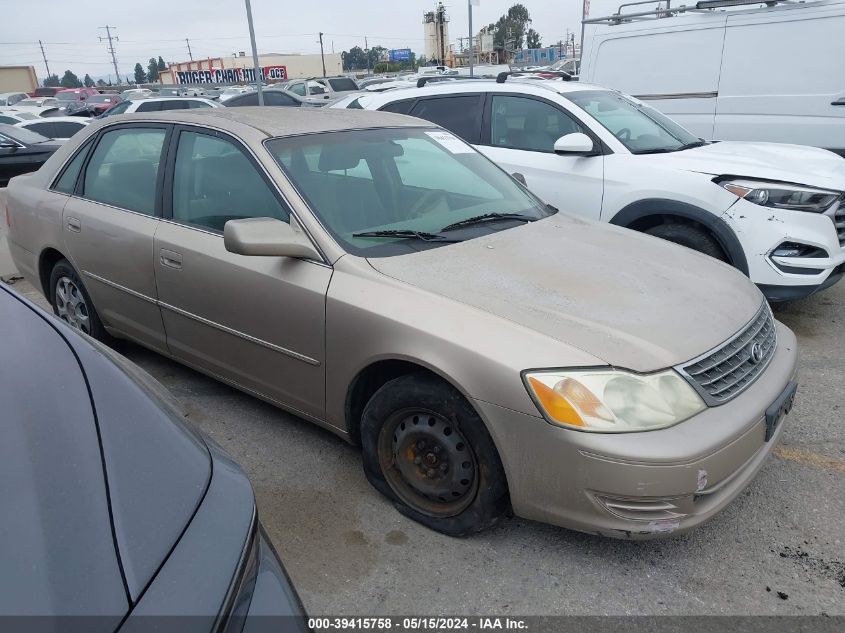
x=775 y=212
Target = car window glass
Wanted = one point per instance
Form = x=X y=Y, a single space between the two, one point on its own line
x=123 y=169
x=174 y=104
x=150 y=106
x=8 y=119
x=214 y=182
x=316 y=88
x=400 y=107
x=528 y=124
x=67 y=181
x=342 y=83
x=298 y=89
x=244 y=100
x=197 y=104
x=45 y=129
x=460 y=115
x=119 y=108
x=66 y=129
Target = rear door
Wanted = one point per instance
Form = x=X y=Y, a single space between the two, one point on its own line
x=256 y=321
x=783 y=77
x=108 y=228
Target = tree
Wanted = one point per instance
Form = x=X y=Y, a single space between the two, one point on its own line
x=510 y=26
x=152 y=70
x=375 y=55
x=532 y=39
x=69 y=80
x=52 y=81
x=140 y=75
x=161 y=65
x=354 y=59
x=422 y=61
x=88 y=81
x=101 y=83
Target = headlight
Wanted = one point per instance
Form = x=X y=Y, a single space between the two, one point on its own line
x=782 y=196
x=612 y=401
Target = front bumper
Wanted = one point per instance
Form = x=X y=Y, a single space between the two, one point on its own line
x=762 y=230
x=640 y=485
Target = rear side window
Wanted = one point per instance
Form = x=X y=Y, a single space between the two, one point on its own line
x=399 y=107
x=149 y=106
x=298 y=89
x=67 y=181
x=119 y=108
x=459 y=115
x=214 y=182
x=123 y=169
x=197 y=104
x=47 y=129
x=277 y=98
x=66 y=129
x=342 y=83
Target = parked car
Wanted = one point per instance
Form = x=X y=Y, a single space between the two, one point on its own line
x=233 y=91
x=137 y=93
x=22 y=151
x=115 y=508
x=775 y=212
x=11 y=98
x=58 y=128
x=45 y=91
x=271 y=97
x=157 y=104
x=38 y=102
x=376 y=275
x=72 y=100
x=725 y=74
x=321 y=88
x=97 y=104
x=13 y=117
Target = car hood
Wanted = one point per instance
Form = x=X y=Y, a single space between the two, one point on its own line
x=629 y=299
x=769 y=161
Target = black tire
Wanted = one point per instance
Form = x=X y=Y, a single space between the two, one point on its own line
x=64 y=272
x=690 y=236
x=420 y=417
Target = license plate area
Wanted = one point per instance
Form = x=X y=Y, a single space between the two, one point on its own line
x=779 y=408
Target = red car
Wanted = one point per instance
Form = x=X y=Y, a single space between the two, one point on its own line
x=100 y=103
x=72 y=100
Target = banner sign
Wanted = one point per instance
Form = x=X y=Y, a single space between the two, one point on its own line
x=400 y=55
x=231 y=75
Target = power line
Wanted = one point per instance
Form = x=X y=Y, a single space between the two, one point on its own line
x=111 y=47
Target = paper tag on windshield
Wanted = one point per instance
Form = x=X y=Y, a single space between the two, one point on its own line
x=451 y=142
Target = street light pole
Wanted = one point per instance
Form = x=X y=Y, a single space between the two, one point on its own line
x=254 y=53
x=469 y=5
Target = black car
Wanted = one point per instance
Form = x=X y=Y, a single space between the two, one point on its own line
x=22 y=151
x=117 y=515
x=272 y=97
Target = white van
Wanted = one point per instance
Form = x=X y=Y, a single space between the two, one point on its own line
x=761 y=73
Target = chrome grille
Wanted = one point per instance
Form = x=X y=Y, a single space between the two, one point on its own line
x=839 y=221
x=722 y=374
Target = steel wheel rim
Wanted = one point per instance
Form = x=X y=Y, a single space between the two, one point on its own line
x=71 y=306
x=428 y=462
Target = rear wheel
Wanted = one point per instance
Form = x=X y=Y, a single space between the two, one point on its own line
x=71 y=302
x=690 y=236
x=426 y=449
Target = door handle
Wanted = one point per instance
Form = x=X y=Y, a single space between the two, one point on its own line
x=171 y=259
x=73 y=224
x=838 y=102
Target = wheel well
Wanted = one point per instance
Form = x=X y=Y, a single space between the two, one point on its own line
x=367 y=382
x=49 y=258
x=645 y=223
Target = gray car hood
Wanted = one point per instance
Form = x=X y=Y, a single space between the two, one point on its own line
x=765 y=161
x=629 y=299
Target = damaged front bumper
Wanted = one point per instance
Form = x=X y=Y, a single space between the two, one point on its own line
x=647 y=484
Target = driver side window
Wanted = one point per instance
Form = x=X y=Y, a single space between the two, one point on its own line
x=529 y=124
x=214 y=181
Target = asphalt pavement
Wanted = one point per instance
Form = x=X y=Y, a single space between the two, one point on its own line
x=779 y=549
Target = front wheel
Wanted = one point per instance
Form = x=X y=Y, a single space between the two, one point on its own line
x=425 y=448
x=690 y=236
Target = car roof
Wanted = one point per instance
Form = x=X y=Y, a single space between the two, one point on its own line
x=149 y=99
x=283 y=121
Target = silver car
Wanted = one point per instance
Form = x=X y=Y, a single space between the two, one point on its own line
x=375 y=275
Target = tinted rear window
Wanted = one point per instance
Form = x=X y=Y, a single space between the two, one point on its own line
x=342 y=83
x=459 y=115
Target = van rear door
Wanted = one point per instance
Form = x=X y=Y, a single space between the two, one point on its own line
x=674 y=67
x=783 y=70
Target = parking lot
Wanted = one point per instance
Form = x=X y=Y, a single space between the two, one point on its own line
x=778 y=549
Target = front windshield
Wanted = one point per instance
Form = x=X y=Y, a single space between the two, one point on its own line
x=22 y=134
x=639 y=127
x=406 y=179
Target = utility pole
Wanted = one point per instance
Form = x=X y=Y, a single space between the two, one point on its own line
x=322 y=55
x=111 y=47
x=190 y=54
x=585 y=13
x=45 y=58
x=471 y=42
x=367 y=52
x=254 y=53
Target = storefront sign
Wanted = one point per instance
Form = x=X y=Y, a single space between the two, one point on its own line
x=231 y=75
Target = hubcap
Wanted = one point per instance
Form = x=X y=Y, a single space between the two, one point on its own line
x=428 y=462
x=71 y=306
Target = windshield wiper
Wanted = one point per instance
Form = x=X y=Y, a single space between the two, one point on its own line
x=420 y=235
x=698 y=143
x=486 y=217
x=668 y=150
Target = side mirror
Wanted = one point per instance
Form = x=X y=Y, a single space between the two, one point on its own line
x=576 y=143
x=267 y=237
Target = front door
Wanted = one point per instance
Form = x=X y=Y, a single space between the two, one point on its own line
x=258 y=322
x=108 y=229
x=519 y=136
